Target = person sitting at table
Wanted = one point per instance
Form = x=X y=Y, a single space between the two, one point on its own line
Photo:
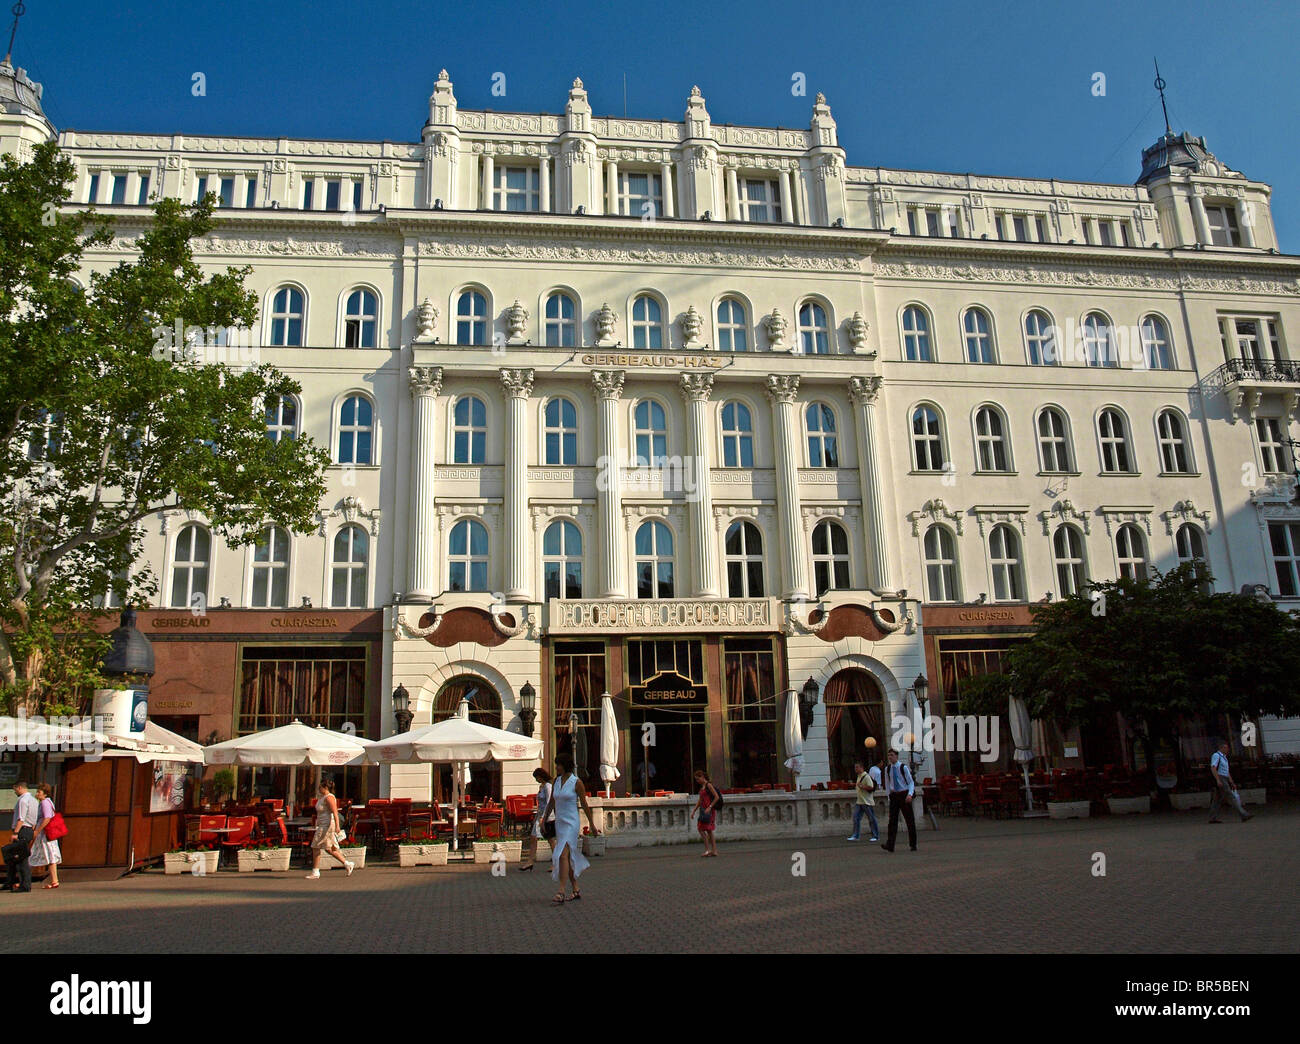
x=328 y=832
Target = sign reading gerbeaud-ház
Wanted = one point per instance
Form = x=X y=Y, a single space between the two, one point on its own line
x=721 y=614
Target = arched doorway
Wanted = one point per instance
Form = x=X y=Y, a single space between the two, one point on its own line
x=855 y=710
x=484 y=708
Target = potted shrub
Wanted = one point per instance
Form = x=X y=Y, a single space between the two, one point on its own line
x=1069 y=809
x=351 y=850
x=1189 y=795
x=264 y=854
x=198 y=859
x=423 y=850
x=592 y=844
x=484 y=850
x=1124 y=800
x=1252 y=795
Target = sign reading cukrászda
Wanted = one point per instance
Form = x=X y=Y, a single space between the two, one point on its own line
x=629 y=617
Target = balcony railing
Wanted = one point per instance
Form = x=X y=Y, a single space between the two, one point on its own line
x=1235 y=371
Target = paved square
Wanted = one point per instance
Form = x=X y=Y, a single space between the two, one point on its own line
x=1173 y=884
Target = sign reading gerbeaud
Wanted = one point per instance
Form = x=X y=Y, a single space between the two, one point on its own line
x=634 y=617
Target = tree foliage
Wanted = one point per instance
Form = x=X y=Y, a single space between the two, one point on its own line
x=99 y=432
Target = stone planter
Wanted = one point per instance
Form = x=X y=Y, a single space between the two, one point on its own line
x=1183 y=802
x=197 y=864
x=422 y=855
x=512 y=850
x=1069 y=809
x=251 y=859
x=1251 y=795
x=355 y=855
x=1124 y=806
x=593 y=845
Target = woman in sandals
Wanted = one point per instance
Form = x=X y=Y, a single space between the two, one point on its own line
x=45 y=851
x=567 y=859
x=541 y=828
x=708 y=813
x=328 y=832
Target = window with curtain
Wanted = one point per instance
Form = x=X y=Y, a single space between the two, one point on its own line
x=753 y=711
x=855 y=710
x=578 y=683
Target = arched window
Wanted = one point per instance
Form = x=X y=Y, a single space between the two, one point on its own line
x=349 y=567
x=830 y=546
x=823 y=451
x=1040 y=339
x=647 y=323
x=650 y=435
x=743 y=550
x=733 y=326
x=1156 y=349
x=1004 y=556
x=190 y=568
x=814 y=334
x=1190 y=544
x=1098 y=341
x=271 y=569
x=654 y=561
x=1067 y=557
x=916 y=334
x=467 y=556
x=561 y=321
x=1131 y=550
x=737 y=436
x=1054 y=441
x=979 y=336
x=927 y=440
x=360 y=319
x=471 y=318
x=469 y=431
x=356 y=430
x=940 y=564
x=287 y=317
x=1115 y=455
x=1173 y=443
x=990 y=440
x=281 y=418
x=562 y=560
x=560 y=423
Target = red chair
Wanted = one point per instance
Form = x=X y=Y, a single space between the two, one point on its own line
x=376 y=802
x=208 y=824
x=243 y=827
x=400 y=801
x=488 y=824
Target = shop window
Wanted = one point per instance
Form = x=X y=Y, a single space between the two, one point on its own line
x=667 y=690
x=753 y=711
x=578 y=683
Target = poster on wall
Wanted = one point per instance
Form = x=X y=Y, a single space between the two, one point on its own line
x=168 y=794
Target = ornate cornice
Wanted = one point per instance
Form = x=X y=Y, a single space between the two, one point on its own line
x=936 y=511
x=1185 y=511
x=518 y=384
x=782 y=387
x=696 y=387
x=608 y=384
x=350 y=509
x=1064 y=511
x=865 y=391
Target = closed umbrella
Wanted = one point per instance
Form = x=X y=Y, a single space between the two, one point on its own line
x=1022 y=737
x=608 y=742
x=793 y=737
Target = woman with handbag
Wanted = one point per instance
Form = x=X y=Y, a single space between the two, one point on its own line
x=45 y=842
x=541 y=827
x=707 y=806
x=328 y=831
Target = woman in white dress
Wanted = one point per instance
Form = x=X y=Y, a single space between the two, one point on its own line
x=567 y=859
x=328 y=833
x=45 y=851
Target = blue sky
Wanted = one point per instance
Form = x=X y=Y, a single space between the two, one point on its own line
x=995 y=89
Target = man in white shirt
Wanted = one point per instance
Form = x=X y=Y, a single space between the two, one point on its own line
x=1225 y=790
x=900 y=787
x=20 y=848
x=866 y=783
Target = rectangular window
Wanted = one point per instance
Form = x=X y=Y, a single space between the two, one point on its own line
x=578 y=682
x=1021 y=228
x=227 y=192
x=1000 y=226
x=911 y=221
x=1107 y=236
x=1222 y=219
x=1284 y=539
x=119 y=188
x=1272 y=450
x=749 y=670
x=324 y=685
x=92 y=193
x=356 y=195
x=143 y=199
x=932 y=223
x=1041 y=227
x=760 y=200
x=250 y=195
x=516 y=189
x=332 y=195
x=640 y=194
x=201 y=189
x=1087 y=231
x=954 y=228
x=1124 y=235
x=308 y=189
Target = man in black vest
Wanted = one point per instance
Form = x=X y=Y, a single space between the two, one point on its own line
x=900 y=787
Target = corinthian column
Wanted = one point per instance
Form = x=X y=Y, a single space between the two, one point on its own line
x=696 y=388
x=781 y=390
x=518 y=385
x=608 y=385
x=864 y=391
x=426 y=383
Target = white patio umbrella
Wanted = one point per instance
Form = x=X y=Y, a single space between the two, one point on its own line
x=153 y=744
x=456 y=740
x=793 y=737
x=608 y=741
x=1022 y=737
x=290 y=745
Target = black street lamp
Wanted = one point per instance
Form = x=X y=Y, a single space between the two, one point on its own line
x=402 y=709
x=807 y=702
x=528 y=707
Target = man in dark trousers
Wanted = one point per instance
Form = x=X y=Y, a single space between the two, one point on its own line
x=900 y=787
x=18 y=849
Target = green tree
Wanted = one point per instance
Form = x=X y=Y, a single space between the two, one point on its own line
x=102 y=426
x=1151 y=650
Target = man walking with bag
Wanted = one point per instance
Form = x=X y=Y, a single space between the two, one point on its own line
x=18 y=850
x=900 y=787
x=866 y=785
x=1225 y=790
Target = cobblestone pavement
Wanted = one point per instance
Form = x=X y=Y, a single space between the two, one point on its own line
x=1173 y=883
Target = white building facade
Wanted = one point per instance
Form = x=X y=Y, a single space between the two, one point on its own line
x=692 y=414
